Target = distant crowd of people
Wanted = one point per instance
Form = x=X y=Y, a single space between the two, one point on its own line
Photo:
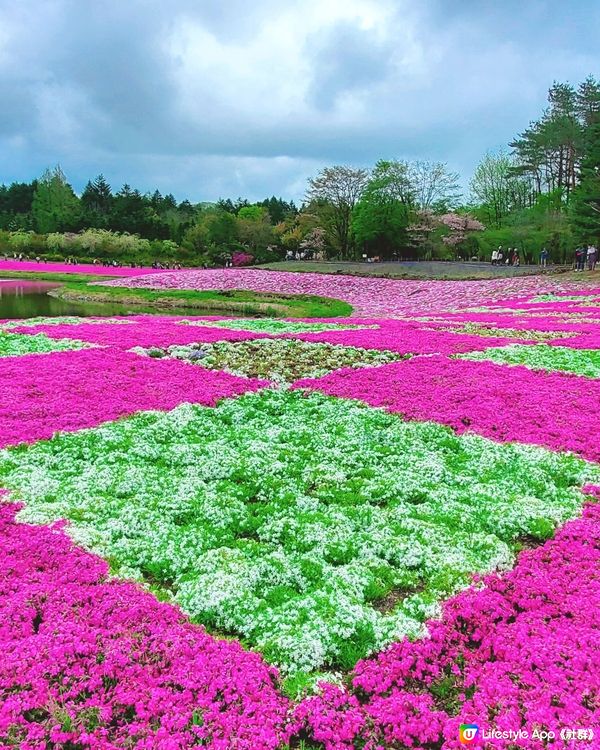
x=72 y=261
x=508 y=257
x=166 y=266
x=586 y=255
x=22 y=257
x=302 y=255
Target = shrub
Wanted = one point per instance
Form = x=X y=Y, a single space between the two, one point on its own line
x=242 y=259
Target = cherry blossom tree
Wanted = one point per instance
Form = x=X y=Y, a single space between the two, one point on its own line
x=460 y=225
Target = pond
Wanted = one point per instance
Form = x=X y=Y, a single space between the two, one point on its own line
x=30 y=299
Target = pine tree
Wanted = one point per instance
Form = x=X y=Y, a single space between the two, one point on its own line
x=588 y=101
x=97 y=196
x=585 y=203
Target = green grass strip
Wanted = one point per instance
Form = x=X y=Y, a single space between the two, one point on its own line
x=64 y=320
x=236 y=301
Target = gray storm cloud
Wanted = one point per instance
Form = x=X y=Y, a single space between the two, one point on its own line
x=209 y=99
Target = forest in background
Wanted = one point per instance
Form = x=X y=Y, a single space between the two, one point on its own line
x=542 y=191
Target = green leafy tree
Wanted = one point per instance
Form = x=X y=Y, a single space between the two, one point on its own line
x=278 y=209
x=55 y=207
x=20 y=240
x=434 y=186
x=381 y=218
x=255 y=232
x=213 y=237
x=253 y=213
x=497 y=189
x=222 y=229
x=295 y=228
x=197 y=240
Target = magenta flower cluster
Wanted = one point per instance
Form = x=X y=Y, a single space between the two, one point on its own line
x=94 y=663
x=582 y=324
x=404 y=337
x=242 y=259
x=555 y=410
x=370 y=296
x=146 y=331
x=517 y=652
x=70 y=390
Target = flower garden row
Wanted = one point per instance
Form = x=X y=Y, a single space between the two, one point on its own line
x=372 y=296
x=292 y=514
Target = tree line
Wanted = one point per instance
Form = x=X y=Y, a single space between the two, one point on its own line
x=543 y=191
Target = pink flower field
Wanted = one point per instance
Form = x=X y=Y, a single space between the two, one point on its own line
x=370 y=296
x=364 y=559
x=45 y=394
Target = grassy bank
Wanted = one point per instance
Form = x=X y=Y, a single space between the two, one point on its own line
x=239 y=302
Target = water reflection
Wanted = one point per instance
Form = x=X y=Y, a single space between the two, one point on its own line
x=30 y=299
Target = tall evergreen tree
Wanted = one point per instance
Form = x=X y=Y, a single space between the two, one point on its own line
x=55 y=207
x=588 y=101
x=96 y=201
x=585 y=204
x=15 y=205
x=549 y=151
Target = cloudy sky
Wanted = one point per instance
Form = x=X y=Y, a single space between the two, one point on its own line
x=210 y=98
